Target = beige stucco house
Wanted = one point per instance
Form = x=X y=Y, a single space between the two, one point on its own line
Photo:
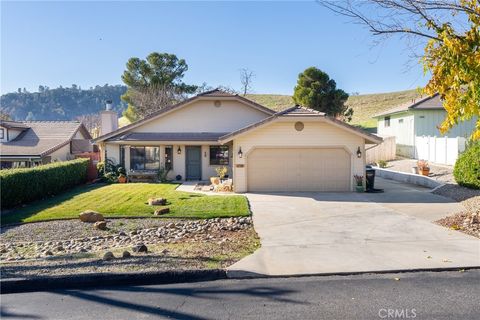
x=31 y=143
x=297 y=149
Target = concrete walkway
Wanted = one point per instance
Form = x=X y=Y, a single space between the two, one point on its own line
x=314 y=233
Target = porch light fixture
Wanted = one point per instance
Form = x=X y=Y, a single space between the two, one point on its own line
x=359 y=153
x=179 y=150
x=240 y=153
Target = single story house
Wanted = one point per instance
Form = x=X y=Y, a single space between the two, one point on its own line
x=30 y=143
x=297 y=149
x=415 y=126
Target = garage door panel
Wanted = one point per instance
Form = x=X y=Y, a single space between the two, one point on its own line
x=298 y=169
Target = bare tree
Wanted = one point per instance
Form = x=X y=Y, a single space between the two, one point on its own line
x=419 y=18
x=90 y=121
x=154 y=98
x=246 y=78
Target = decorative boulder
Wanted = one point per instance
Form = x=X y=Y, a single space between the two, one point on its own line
x=90 y=216
x=126 y=254
x=108 y=256
x=140 y=248
x=100 y=225
x=161 y=211
x=157 y=201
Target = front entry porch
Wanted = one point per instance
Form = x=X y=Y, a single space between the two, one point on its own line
x=188 y=161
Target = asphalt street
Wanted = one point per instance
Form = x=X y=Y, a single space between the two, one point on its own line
x=422 y=295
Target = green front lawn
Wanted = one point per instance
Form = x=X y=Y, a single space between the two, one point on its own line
x=129 y=200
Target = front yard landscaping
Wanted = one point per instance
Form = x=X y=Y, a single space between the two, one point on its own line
x=171 y=245
x=128 y=200
x=199 y=232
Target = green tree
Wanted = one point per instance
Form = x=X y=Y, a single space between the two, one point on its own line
x=317 y=91
x=155 y=82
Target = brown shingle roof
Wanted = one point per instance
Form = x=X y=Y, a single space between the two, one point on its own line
x=13 y=124
x=170 y=136
x=299 y=111
x=427 y=103
x=42 y=138
x=210 y=94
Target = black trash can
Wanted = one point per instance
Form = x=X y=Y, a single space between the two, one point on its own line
x=370 y=178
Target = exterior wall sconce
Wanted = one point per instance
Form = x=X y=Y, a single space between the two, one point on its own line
x=359 y=153
x=179 y=150
x=240 y=153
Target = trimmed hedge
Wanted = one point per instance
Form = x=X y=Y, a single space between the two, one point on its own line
x=467 y=167
x=20 y=186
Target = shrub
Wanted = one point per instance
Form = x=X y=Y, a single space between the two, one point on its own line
x=467 y=167
x=109 y=172
x=20 y=186
x=382 y=163
x=221 y=171
x=162 y=174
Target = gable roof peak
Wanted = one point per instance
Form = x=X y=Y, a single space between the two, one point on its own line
x=216 y=92
x=301 y=110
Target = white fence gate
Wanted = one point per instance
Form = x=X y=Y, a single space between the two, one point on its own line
x=442 y=150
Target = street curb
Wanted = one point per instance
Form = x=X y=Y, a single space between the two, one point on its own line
x=107 y=279
x=239 y=274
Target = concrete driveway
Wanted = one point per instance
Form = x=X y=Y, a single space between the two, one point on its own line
x=314 y=233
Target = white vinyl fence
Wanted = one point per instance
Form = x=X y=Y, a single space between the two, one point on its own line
x=384 y=151
x=441 y=150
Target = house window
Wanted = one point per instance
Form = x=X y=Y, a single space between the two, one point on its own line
x=400 y=121
x=169 y=158
x=218 y=155
x=122 y=156
x=144 y=158
x=2 y=133
x=387 y=122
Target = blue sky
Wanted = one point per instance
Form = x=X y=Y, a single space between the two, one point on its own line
x=88 y=43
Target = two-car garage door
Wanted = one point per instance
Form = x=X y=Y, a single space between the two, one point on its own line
x=298 y=169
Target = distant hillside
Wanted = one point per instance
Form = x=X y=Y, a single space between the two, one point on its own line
x=69 y=103
x=60 y=103
x=364 y=106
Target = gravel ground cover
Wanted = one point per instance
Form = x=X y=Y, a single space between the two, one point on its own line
x=467 y=221
x=172 y=245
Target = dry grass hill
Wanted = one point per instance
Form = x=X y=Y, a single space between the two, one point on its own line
x=364 y=106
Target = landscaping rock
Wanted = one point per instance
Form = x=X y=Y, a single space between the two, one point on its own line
x=140 y=248
x=90 y=216
x=108 y=256
x=101 y=225
x=161 y=211
x=157 y=201
x=163 y=232
x=126 y=254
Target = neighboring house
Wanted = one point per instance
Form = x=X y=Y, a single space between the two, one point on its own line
x=415 y=126
x=30 y=143
x=297 y=149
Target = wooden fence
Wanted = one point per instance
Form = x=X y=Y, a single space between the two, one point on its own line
x=384 y=151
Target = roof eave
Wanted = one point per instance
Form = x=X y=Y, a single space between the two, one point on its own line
x=174 y=107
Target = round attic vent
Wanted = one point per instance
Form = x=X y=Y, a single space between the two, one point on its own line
x=217 y=103
x=299 y=126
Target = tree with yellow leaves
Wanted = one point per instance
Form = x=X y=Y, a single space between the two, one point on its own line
x=451 y=55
